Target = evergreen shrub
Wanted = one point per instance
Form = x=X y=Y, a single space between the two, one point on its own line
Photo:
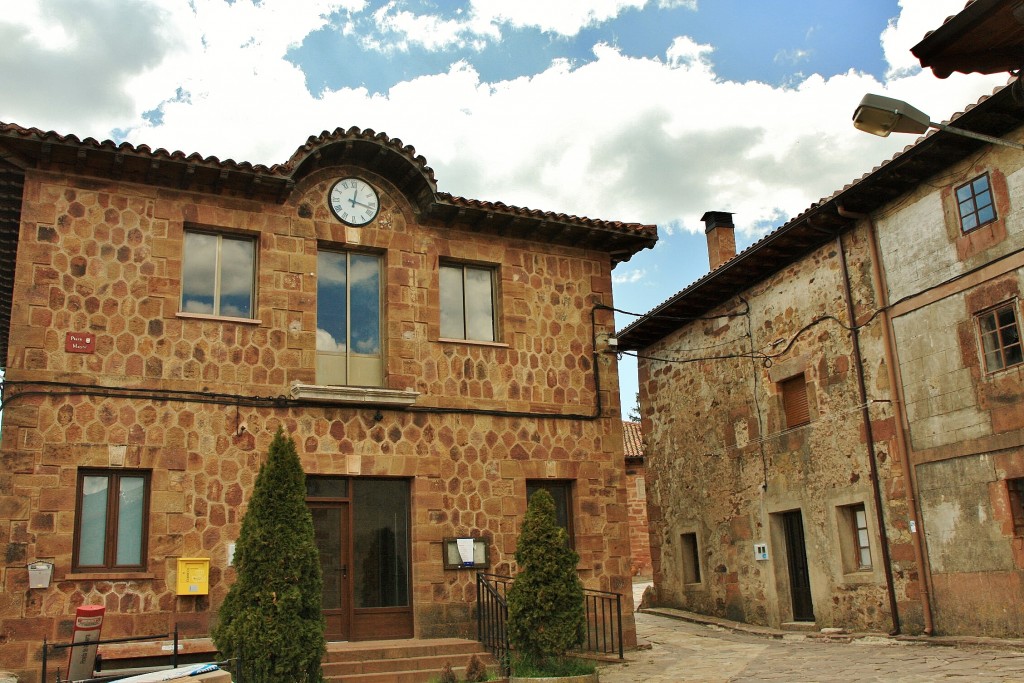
x=546 y=614
x=271 y=617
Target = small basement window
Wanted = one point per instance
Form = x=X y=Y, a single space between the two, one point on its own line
x=691 y=558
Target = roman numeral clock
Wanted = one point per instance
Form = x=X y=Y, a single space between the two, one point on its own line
x=354 y=201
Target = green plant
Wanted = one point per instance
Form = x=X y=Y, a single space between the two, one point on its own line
x=271 y=616
x=546 y=614
x=526 y=667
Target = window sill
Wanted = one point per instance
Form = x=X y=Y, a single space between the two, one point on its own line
x=218 y=318
x=360 y=396
x=473 y=342
x=109 y=576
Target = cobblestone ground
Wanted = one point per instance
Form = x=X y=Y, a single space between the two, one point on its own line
x=682 y=651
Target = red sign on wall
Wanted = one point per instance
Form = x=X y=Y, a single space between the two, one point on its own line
x=80 y=342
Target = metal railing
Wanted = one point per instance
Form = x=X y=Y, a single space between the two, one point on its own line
x=235 y=666
x=603 y=609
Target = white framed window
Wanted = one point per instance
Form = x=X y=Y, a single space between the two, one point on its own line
x=468 y=303
x=218 y=275
x=348 y=319
x=854 y=538
x=975 y=204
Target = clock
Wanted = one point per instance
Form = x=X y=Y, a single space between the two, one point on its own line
x=353 y=201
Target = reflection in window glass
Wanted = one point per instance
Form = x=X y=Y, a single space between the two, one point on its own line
x=1000 y=337
x=467 y=303
x=348 y=309
x=130 y=511
x=381 y=542
x=93 y=521
x=974 y=201
x=110 y=520
x=218 y=275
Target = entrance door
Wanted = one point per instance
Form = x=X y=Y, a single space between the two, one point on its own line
x=362 y=528
x=799 y=575
x=331 y=528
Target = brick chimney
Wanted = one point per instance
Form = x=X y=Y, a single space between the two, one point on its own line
x=720 y=232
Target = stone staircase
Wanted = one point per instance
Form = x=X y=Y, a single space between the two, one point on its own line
x=401 y=661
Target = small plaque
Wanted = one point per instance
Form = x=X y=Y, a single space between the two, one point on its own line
x=80 y=342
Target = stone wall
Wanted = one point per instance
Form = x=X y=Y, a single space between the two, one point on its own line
x=723 y=465
x=105 y=257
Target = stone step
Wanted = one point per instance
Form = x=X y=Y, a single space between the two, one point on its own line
x=401 y=661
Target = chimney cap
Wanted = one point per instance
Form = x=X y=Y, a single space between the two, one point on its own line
x=715 y=219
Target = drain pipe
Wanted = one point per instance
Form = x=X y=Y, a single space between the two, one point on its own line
x=896 y=394
x=870 y=438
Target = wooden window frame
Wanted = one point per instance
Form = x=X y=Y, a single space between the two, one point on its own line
x=109 y=565
x=796 y=407
x=974 y=210
x=1000 y=349
x=492 y=271
x=557 y=488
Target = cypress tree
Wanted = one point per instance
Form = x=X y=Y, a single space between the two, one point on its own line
x=546 y=614
x=271 y=616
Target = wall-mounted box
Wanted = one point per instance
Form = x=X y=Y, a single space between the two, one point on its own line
x=193 y=576
x=39 y=574
x=465 y=553
x=760 y=551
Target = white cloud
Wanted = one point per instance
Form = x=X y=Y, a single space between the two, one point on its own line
x=628 y=276
x=654 y=140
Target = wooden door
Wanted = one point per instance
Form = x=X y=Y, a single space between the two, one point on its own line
x=331 y=528
x=799 y=573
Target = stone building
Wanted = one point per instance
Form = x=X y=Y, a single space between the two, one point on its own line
x=833 y=416
x=434 y=357
x=636 y=495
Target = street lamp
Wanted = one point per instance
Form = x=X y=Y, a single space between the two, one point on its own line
x=880 y=115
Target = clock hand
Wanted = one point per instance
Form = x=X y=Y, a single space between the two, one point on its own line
x=354 y=202
x=355 y=193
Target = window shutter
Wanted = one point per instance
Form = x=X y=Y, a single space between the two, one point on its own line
x=794 y=401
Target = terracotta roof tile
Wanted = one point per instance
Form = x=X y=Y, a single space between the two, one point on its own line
x=632 y=440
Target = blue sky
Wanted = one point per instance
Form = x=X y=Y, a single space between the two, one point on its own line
x=650 y=111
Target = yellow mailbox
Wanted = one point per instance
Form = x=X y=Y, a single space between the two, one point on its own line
x=193 y=576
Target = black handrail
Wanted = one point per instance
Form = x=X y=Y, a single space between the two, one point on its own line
x=492 y=617
x=603 y=610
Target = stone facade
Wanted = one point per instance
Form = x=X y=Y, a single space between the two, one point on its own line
x=724 y=466
x=636 y=495
x=193 y=400
x=896 y=503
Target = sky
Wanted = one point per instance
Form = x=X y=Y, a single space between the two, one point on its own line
x=647 y=111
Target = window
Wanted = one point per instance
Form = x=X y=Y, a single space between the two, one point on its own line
x=467 y=303
x=1015 y=487
x=218 y=275
x=974 y=201
x=561 y=492
x=794 y=401
x=348 y=304
x=1000 y=337
x=111 y=520
x=854 y=538
x=691 y=558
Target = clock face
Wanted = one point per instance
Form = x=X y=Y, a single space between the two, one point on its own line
x=354 y=201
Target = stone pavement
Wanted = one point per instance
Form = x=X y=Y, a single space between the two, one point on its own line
x=686 y=651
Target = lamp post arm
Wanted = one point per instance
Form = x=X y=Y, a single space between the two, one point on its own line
x=976 y=136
